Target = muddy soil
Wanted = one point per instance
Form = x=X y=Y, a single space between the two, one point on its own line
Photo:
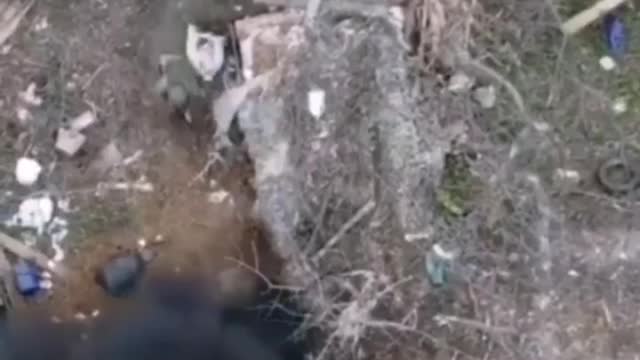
x=93 y=55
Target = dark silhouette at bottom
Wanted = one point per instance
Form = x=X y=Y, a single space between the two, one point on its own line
x=169 y=320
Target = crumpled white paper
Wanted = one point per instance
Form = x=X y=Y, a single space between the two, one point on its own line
x=205 y=52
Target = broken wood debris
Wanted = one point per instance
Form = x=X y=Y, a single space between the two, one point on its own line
x=24 y=252
x=589 y=15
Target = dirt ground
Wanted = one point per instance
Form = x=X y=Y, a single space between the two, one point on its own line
x=91 y=55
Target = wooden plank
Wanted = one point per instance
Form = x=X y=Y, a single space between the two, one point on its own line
x=589 y=15
x=23 y=251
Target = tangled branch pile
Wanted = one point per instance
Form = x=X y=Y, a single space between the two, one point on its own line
x=351 y=194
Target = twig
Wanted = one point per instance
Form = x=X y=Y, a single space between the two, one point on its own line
x=93 y=76
x=364 y=211
x=11 y=17
x=476 y=325
x=264 y=278
x=23 y=251
x=513 y=91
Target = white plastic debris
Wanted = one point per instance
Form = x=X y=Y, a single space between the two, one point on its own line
x=397 y=16
x=69 y=141
x=42 y=24
x=441 y=252
x=620 y=106
x=83 y=121
x=218 y=197
x=141 y=185
x=460 y=83
x=64 y=204
x=58 y=230
x=27 y=171
x=316 y=102
x=573 y=273
x=29 y=96
x=485 y=96
x=34 y=213
x=58 y=253
x=205 y=52
x=46 y=284
x=24 y=115
x=566 y=177
x=607 y=63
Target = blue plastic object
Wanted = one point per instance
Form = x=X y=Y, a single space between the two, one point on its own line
x=28 y=279
x=616 y=35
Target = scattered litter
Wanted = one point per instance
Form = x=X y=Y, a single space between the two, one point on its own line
x=83 y=121
x=141 y=185
x=607 y=63
x=218 y=197
x=460 y=83
x=438 y=264
x=418 y=236
x=566 y=177
x=69 y=141
x=485 y=96
x=316 y=102
x=58 y=252
x=24 y=115
x=142 y=243
x=64 y=205
x=29 y=96
x=573 y=273
x=616 y=35
x=27 y=171
x=620 y=106
x=447 y=255
x=29 y=280
x=397 y=16
x=205 y=52
x=80 y=316
x=120 y=276
x=542 y=301
x=42 y=24
x=10 y=17
x=34 y=213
